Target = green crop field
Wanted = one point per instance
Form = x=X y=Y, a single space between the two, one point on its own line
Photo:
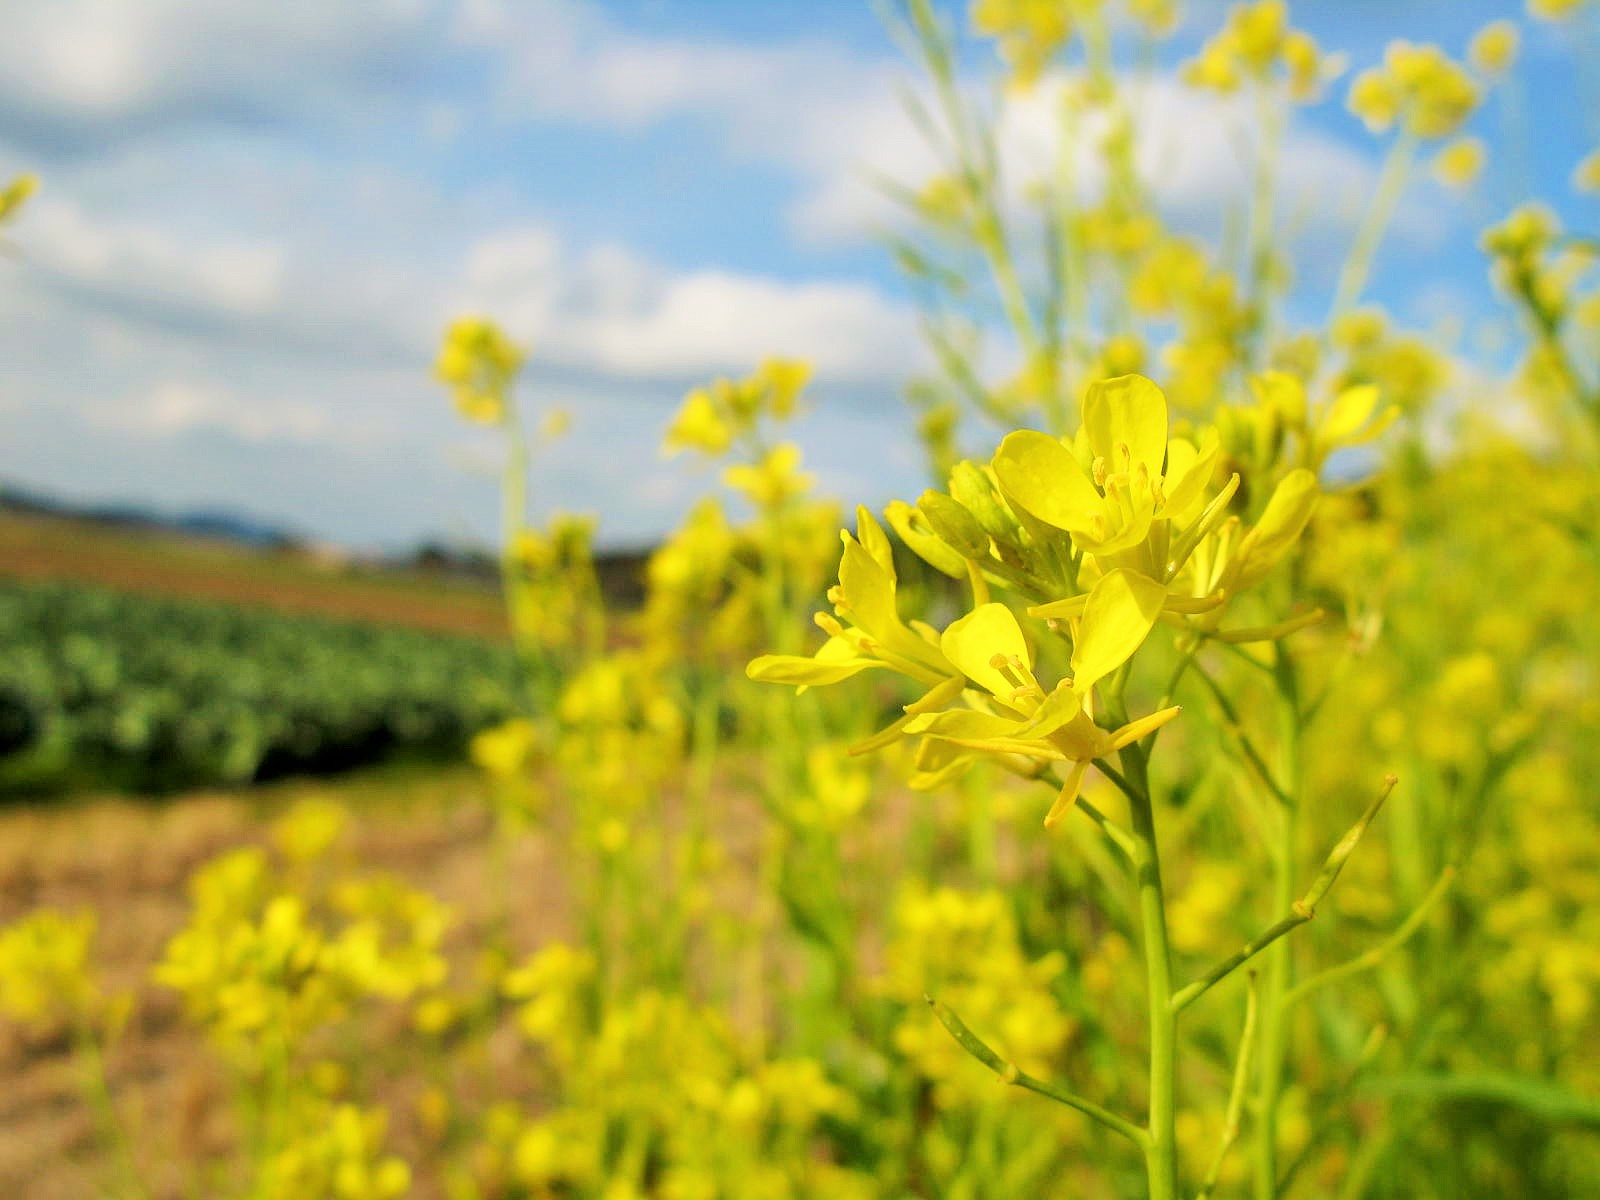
x=99 y=687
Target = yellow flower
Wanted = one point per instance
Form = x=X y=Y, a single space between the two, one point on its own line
x=479 y=364
x=776 y=479
x=781 y=380
x=1373 y=99
x=1122 y=484
x=44 y=967
x=1255 y=43
x=15 y=194
x=1586 y=175
x=1231 y=558
x=713 y=417
x=867 y=632
x=1460 y=163
x=1554 y=10
x=506 y=750
x=310 y=829
x=699 y=426
x=1029 y=32
x=1420 y=87
x=1018 y=717
x=1494 y=48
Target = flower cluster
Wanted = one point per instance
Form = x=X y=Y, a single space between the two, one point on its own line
x=1419 y=88
x=1257 y=44
x=479 y=364
x=1106 y=535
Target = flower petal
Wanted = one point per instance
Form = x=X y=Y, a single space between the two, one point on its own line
x=1068 y=796
x=973 y=642
x=1127 y=411
x=1121 y=610
x=1040 y=475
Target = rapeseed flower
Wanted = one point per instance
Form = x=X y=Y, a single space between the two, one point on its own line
x=479 y=364
x=1420 y=88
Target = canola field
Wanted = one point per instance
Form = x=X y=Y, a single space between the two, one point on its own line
x=1190 y=794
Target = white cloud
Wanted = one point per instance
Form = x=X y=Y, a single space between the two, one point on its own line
x=616 y=313
x=176 y=407
x=76 y=71
x=837 y=120
x=145 y=262
x=1193 y=149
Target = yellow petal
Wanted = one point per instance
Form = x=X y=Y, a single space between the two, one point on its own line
x=1189 y=470
x=1059 y=707
x=925 y=544
x=1127 y=411
x=1119 y=615
x=867 y=590
x=1350 y=410
x=938 y=696
x=874 y=541
x=1072 y=606
x=1068 y=796
x=966 y=724
x=1037 y=473
x=1134 y=730
x=1286 y=515
x=836 y=660
x=973 y=642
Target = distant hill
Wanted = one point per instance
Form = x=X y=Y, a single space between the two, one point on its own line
x=238 y=558
x=223 y=524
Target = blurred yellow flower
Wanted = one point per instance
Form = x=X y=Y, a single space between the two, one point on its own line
x=479 y=364
x=1460 y=163
x=1494 y=48
x=1586 y=175
x=1554 y=10
x=1419 y=87
x=15 y=194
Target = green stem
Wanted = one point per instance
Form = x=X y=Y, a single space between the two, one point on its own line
x=97 y=1090
x=1301 y=911
x=1115 y=834
x=1270 y=127
x=513 y=582
x=1008 y=1073
x=1161 y=1154
x=1241 y=1078
x=1236 y=727
x=1374 y=956
x=1391 y=186
x=1279 y=962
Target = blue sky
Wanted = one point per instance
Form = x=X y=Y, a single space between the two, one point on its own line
x=256 y=217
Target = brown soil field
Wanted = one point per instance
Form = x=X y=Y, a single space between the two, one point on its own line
x=58 y=548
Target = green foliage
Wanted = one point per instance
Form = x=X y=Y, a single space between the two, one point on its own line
x=102 y=687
